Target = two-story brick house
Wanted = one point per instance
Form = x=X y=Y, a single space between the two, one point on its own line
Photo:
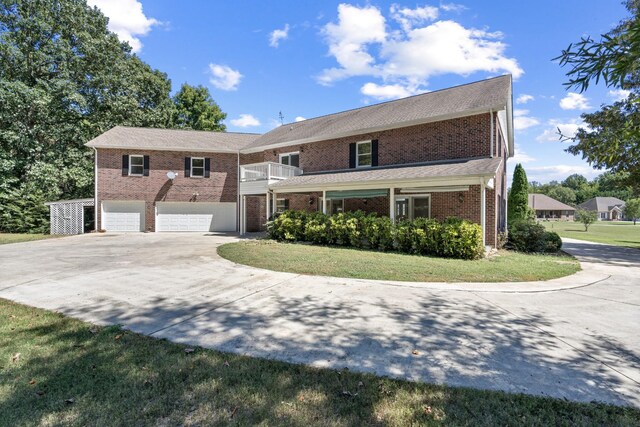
x=438 y=154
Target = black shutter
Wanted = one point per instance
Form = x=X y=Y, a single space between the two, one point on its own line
x=352 y=155
x=187 y=167
x=145 y=162
x=207 y=167
x=374 y=152
x=125 y=165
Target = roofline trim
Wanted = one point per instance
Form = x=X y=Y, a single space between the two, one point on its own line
x=467 y=113
x=181 y=149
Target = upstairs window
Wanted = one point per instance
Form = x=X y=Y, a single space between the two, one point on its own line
x=363 y=154
x=290 y=159
x=197 y=167
x=136 y=165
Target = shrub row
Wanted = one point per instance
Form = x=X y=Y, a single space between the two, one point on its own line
x=454 y=237
x=530 y=236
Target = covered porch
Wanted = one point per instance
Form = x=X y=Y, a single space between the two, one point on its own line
x=464 y=189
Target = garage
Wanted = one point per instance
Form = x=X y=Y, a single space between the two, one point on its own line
x=195 y=216
x=123 y=216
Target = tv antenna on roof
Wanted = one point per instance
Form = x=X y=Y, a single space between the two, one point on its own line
x=281 y=117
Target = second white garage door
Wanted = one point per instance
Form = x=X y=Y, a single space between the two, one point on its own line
x=195 y=216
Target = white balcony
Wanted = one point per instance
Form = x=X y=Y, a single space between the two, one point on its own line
x=256 y=177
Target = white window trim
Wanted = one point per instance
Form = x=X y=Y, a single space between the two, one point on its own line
x=411 y=198
x=278 y=200
x=358 y=144
x=203 y=167
x=288 y=155
x=131 y=164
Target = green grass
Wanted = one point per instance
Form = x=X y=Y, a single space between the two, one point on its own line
x=72 y=373
x=342 y=262
x=612 y=233
x=6 y=238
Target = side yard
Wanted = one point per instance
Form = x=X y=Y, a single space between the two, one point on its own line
x=6 y=238
x=612 y=233
x=59 y=371
x=507 y=266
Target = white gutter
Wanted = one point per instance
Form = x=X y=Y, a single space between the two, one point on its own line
x=238 y=194
x=95 y=190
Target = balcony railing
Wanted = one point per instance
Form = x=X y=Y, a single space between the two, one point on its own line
x=267 y=171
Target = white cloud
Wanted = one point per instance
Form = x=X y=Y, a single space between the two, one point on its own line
x=385 y=92
x=276 y=35
x=364 y=44
x=126 y=19
x=520 y=156
x=619 y=94
x=559 y=172
x=408 y=18
x=522 y=120
x=300 y=118
x=524 y=98
x=574 y=101
x=224 y=77
x=568 y=129
x=245 y=121
x=452 y=7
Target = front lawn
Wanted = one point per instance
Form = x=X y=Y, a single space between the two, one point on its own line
x=59 y=371
x=17 y=238
x=360 y=264
x=612 y=233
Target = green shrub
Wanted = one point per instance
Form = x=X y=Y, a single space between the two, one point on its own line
x=529 y=236
x=455 y=238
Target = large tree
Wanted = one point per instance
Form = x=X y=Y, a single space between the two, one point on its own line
x=518 y=201
x=64 y=79
x=195 y=109
x=611 y=138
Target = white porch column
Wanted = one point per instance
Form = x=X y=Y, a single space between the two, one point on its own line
x=324 y=202
x=483 y=212
x=274 y=204
x=392 y=204
x=243 y=216
x=268 y=206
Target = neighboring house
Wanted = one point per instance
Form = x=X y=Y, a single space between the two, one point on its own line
x=549 y=208
x=438 y=154
x=608 y=208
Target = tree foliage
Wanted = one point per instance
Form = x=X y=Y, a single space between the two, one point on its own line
x=586 y=217
x=611 y=138
x=518 y=202
x=195 y=109
x=632 y=210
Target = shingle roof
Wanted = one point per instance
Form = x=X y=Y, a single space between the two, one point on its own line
x=466 y=99
x=171 y=139
x=461 y=168
x=601 y=204
x=544 y=202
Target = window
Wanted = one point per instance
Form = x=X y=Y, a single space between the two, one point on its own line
x=421 y=207
x=136 y=165
x=290 y=159
x=197 y=167
x=363 y=154
x=336 y=206
x=282 y=205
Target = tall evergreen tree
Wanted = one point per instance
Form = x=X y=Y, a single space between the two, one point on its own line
x=64 y=79
x=518 y=202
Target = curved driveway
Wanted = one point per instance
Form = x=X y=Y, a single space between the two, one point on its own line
x=570 y=338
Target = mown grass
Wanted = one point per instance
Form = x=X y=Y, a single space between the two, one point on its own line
x=6 y=238
x=612 y=233
x=507 y=266
x=56 y=370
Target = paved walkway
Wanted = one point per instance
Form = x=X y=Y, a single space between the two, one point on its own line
x=577 y=337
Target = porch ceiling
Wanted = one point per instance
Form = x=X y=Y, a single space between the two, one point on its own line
x=455 y=172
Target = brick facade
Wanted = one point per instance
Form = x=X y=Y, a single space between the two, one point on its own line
x=221 y=186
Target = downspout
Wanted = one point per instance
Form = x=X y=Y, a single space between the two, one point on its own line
x=491 y=118
x=238 y=194
x=95 y=191
x=483 y=212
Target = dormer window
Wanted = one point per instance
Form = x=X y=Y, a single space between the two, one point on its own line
x=363 y=157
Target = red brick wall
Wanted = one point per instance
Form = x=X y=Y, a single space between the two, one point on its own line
x=256 y=210
x=221 y=186
x=451 y=139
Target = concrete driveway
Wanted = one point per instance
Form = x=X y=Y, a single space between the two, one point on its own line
x=570 y=338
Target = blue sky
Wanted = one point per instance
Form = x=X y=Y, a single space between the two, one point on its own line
x=310 y=58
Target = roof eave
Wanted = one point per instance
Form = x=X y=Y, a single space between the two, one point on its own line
x=182 y=149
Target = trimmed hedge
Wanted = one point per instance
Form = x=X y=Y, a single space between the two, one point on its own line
x=452 y=238
x=530 y=236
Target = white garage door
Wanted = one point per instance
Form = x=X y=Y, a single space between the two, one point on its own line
x=122 y=215
x=196 y=216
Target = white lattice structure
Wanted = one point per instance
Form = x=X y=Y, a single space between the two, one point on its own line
x=67 y=216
